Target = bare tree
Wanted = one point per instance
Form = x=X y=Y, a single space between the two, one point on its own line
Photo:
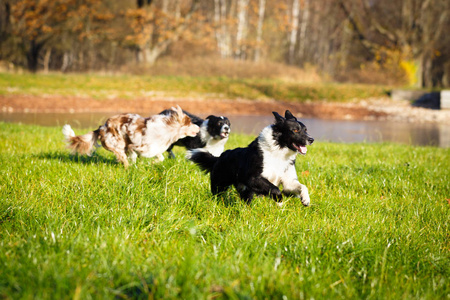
x=223 y=30
x=294 y=30
x=155 y=30
x=303 y=27
x=416 y=28
x=259 y=29
x=242 y=29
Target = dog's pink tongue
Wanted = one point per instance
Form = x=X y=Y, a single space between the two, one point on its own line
x=302 y=149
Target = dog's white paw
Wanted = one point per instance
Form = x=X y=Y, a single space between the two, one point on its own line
x=280 y=204
x=304 y=195
x=133 y=156
x=159 y=158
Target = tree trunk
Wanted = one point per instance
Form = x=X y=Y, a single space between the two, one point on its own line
x=66 y=62
x=47 y=59
x=33 y=55
x=222 y=29
x=303 y=26
x=218 y=27
x=141 y=3
x=427 y=79
x=150 y=52
x=294 y=31
x=259 y=29
x=241 y=34
x=142 y=50
x=419 y=74
x=177 y=10
x=165 y=6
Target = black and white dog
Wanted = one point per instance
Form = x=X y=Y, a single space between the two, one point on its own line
x=264 y=165
x=213 y=134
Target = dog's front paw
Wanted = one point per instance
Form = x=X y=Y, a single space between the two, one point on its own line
x=304 y=196
x=159 y=158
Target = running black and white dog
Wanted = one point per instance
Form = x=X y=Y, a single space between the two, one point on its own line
x=212 y=137
x=264 y=165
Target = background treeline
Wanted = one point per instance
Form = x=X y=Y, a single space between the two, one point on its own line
x=372 y=41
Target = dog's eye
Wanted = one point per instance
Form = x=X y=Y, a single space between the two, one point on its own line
x=296 y=130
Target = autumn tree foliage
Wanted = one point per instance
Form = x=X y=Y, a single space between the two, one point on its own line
x=153 y=28
x=414 y=33
x=37 y=23
x=57 y=25
x=367 y=40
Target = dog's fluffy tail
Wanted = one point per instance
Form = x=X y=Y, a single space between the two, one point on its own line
x=202 y=158
x=82 y=144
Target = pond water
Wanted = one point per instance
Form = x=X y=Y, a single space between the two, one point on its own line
x=321 y=130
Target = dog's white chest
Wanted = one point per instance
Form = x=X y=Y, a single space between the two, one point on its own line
x=215 y=147
x=278 y=163
x=276 y=167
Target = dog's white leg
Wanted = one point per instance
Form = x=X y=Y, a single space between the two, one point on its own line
x=298 y=190
x=133 y=156
x=121 y=157
x=159 y=158
x=291 y=186
x=304 y=195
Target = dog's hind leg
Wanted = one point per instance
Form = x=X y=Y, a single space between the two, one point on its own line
x=133 y=156
x=262 y=186
x=121 y=157
x=245 y=193
x=118 y=151
x=169 y=150
x=131 y=153
x=218 y=187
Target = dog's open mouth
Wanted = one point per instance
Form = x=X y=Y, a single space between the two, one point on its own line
x=300 y=148
x=224 y=134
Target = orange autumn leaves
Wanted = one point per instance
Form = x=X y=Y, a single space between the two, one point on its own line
x=44 y=19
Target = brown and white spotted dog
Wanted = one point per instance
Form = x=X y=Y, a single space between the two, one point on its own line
x=130 y=135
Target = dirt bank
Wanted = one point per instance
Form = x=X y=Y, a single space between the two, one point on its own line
x=371 y=109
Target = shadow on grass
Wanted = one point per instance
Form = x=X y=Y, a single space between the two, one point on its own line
x=229 y=198
x=6 y=213
x=138 y=290
x=82 y=159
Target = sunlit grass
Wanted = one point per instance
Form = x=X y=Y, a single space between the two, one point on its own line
x=84 y=227
x=129 y=87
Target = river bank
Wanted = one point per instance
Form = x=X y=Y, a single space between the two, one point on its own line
x=370 y=109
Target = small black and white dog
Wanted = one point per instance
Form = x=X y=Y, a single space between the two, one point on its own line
x=213 y=134
x=264 y=165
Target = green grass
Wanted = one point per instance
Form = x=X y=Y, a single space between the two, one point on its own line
x=75 y=227
x=129 y=87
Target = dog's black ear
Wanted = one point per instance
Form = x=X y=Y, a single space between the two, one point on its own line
x=288 y=115
x=209 y=117
x=278 y=118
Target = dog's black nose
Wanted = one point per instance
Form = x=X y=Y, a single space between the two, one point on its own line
x=310 y=140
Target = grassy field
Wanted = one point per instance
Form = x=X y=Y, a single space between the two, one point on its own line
x=85 y=228
x=129 y=87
